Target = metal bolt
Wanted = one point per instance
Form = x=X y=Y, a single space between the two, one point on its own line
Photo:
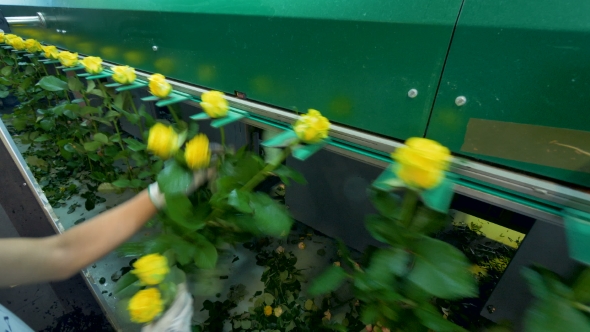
x=58 y=30
x=154 y=48
x=63 y=31
x=25 y=184
x=412 y=93
x=460 y=101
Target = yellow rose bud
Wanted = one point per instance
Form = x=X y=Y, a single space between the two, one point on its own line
x=9 y=37
x=278 y=311
x=18 y=43
x=151 y=269
x=33 y=46
x=50 y=52
x=123 y=74
x=267 y=310
x=197 y=154
x=162 y=141
x=312 y=127
x=2 y=37
x=68 y=59
x=214 y=104
x=158 y=86
x=145 y=305
x=421 y=163
x=92 y=64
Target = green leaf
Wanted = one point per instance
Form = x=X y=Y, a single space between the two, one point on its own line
x=581 y=287
x=107 y=188
x=388 y=203
x=441 y=270
x=206 y=254
x=179 y=208
x=134 y=145
x=428 y=221
x=555 y=313
x=329 y=281
x=89 y=110
x=370 y=313
x=183 y=250
x=240 y=200
x=4 y=94
x=20 y=124
x=74 y=84
x=286 y=173
x=394 y=260
x=268 y=298
x=270 y=217
x=112 y=115
x=126 y=280
x=119 y=100
x=42 y=138
x=308 y=305
x=246 y=324
x=35 y=161
x=174 y=179
x=387 y=230
x=47 y=124
x=102 y=138
x=149 y=120
x=122 y=183
x=6 y=71
x=92 y=146
x=52 y=83
x=90 y=85
x=434 y=320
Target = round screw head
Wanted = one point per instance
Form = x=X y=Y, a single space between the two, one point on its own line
x=460 y=101
x=63 y=31
x=58 y=30
x=154 y=48
x=412 y=93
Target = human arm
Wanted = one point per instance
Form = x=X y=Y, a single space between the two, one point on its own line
x=30 y=260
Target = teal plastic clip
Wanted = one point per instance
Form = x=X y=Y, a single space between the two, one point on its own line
x=73 y=68
x=132 y=86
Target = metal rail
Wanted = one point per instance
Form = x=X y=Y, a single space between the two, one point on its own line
x=38 y=20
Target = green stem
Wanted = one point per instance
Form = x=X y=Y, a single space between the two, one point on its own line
x=582 y=307
x=258 y=178
x=123 y=149
x=86 y=100
x=409 y=204
x=173 y=112
x=222 y=131
x=136 y=112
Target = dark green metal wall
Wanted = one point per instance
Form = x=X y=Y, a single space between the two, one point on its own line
x=355 y=60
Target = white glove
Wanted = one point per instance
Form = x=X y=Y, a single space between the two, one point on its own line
x=178 y=317
x=199 y=178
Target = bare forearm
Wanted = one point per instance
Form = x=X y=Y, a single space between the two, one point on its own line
x=57 y=257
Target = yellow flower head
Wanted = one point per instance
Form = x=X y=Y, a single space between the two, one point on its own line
x=151 y=269
x=18 y=43
x=145 y=305
x=68 y=59
x=92 y=64
x=9 y=37
x=312 y=127
x=158 y=86
x=123 y=74
x=278 y=311
x=1 y=36
x=33 y=46
x=214 y=104
x=162 y=141
x=267 y=310
x=421 y=163
x=51 y=52
x=197 y=154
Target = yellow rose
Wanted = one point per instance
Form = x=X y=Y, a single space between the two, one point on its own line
x=68 y=59
x=123 y=74
x=214 y=104
x=92 y=64
x=158 y=86
x=278 y=311
x=18 y=43
x=162 y=141
x=151 y=269
x=51 y=52
x=197 y=154
x=421 y=163
x=312 y=127
x=1 y=37
x=9 y=37
x=145 y=305
x=267 y=310
x=33 y=46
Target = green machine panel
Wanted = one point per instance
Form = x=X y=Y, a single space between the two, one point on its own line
x=354 y=60
x=523 y=70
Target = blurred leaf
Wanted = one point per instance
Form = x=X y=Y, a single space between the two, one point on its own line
x=180 y=209
x=52 y=83
x=174 y=179
x=329 y=281
x=442 y=270
x=206 y=253
x=434 y=320
x=42 y=138
x=581 y=287
x=107 y=188
x=370 y=313
x=122 y=183
x=92 y=146
x=387 y=230
x=554 y=313
x=6 y=71
x=387 y=203
x=428 y=221
x=271 y=218
x=125 y=281
x=74 y=84
x=90 y=85
x=286 y=173
x=47 y=124
x=102 y=138
x=240 y=200
x=134 y=145
x=395 y=260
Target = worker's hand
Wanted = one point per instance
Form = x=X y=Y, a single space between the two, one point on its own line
x=178 y=317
